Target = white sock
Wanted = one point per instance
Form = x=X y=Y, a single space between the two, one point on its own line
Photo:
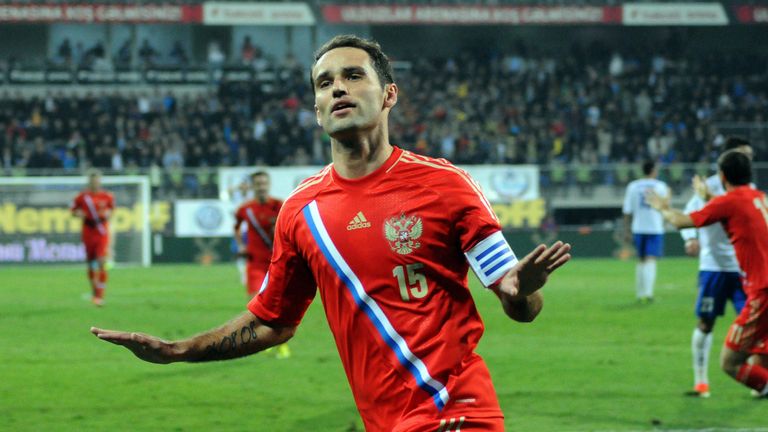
x=701 y=345
x=639 y=279
x=649 y=278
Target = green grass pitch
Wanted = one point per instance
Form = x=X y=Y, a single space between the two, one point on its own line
x=594 y=360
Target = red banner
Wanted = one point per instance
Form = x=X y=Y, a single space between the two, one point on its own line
x=471 y=15
x=101 y=13
x=752 y=14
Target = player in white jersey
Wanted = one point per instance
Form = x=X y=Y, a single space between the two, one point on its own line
x=719 y=273
x=647 y=228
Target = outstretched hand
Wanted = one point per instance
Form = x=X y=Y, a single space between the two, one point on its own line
x=656 y=201
x=532 y=272
x=143 y=346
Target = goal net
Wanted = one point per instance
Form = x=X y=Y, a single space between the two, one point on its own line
x=36 y=225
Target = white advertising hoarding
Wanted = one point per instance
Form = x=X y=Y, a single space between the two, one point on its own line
x=500 y=183
x=239 y=13
x=687 y=14
x=204 y=218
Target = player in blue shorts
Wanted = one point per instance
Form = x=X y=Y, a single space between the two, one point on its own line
x=719 y=273
x=647 y=228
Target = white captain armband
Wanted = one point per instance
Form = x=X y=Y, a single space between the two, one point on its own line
x=491 y=259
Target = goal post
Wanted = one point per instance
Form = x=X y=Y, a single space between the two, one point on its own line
x=36 y=225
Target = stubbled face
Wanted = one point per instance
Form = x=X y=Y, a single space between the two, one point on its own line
x=260 y=186
x=348 y=94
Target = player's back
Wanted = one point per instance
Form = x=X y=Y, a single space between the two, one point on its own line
x=746 y=223
x=645 y=220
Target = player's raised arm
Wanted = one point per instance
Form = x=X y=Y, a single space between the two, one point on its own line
x=673 y=216
x=519 y=288
x=240 y=337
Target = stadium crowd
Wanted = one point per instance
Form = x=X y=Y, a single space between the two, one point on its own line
x=521 y=107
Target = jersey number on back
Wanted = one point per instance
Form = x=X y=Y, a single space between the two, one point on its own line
x=762 y=206
x=411 y=282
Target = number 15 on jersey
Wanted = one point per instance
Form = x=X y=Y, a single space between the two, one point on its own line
x=412 y=283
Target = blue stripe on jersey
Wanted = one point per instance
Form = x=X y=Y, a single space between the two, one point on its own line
x=368 y=305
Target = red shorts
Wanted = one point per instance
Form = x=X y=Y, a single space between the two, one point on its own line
x=255 y=272
x=96 y=245
x=749 y=332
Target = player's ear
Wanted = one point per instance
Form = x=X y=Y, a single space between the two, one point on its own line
x=390 y=95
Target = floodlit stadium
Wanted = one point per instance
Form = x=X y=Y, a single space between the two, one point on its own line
x=553 y=108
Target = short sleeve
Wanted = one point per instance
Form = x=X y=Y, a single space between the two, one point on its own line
x=76 y=203
x=111 y=202
x=289 y=286
x=716 y=210
x=479 y=231
x=239 y=216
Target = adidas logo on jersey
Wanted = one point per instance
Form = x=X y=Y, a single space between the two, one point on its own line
x=358 y=222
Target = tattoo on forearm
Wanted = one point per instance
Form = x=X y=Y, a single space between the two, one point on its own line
x=230 y=343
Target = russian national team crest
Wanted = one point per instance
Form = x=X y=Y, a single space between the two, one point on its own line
x=402 y=233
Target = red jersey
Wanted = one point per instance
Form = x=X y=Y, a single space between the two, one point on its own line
x=261 y=218
x=390 y=253
x=743 y=211
x=95 y=205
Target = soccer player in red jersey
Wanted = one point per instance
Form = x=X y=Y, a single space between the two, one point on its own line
x=94 y=205
x=743 y=213
x=260 y=215
x=387 y=238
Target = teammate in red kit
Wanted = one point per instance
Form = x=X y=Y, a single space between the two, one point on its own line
x=387 y=238
x=260 y=215
x=94 y=206
x=743 y=212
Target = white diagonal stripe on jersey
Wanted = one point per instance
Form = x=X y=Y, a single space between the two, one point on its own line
x=362 y=217
x=491 y=258
x=254 y=223
x=264 y=283
x=92 y=209
x=368 y=305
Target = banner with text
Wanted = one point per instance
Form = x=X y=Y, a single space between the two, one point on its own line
x=237 y=13
x=474 y=15
x=752 y=14
x=101 y=13
x=674 y=14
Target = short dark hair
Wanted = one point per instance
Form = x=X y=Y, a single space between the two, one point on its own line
x=259 y=174
x=734 y=142
x=736 y=167
x=379 y=60
x=648 y=167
